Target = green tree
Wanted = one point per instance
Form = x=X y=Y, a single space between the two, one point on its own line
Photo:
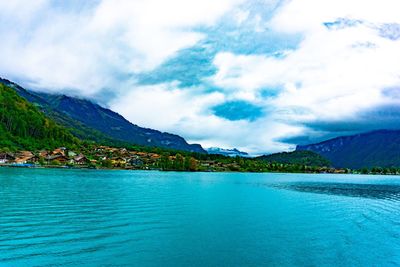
x=165 y=162
x=192 y=164
x=55 y=162
x=179 y=162
x=107 y=163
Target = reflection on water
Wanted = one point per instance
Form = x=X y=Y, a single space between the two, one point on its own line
x=374 y=191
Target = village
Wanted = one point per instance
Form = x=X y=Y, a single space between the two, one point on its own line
x=105 y=157
x=101 y=156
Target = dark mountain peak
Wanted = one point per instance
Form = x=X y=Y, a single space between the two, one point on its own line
x=375 y=148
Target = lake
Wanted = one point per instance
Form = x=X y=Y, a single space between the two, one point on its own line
x=145 y=218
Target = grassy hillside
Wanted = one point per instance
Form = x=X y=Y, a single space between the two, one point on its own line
x=24 y=126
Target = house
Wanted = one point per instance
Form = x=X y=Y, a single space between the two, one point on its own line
x=44 y=154
x=101 y=148
x=59 y=151
x=81 y=160
x=6 y=158
x=154 y=156
x=123 y=151
x=21 y=160
x=142 y=154
x=118 y=161
x=24 y=157
x=111 y=149
x=60 y=158
x=24 y=154
x=33 y=159
x=136 y=162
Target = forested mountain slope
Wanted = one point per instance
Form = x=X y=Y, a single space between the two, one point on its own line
x=24 y=126
x=307 y=158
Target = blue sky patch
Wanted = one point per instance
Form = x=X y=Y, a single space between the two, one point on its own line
x=188 y=67
x=238 y=110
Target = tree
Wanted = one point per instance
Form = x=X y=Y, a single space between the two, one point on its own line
x=179 y=163
x=55 y=162
x=165 y=162
x=41 y=161
x=192 y=164
x=107 y=163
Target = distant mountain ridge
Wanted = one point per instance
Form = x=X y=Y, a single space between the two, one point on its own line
x=90 y=121
x=379 y=148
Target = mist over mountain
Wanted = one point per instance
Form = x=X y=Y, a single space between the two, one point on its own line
x=227 y=152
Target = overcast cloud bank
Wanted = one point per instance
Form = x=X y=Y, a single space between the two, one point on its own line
x=261 y=76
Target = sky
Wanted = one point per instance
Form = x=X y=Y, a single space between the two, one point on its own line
x=258 y=75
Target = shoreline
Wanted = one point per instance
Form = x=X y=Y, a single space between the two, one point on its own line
x=105 y=157
x=11 y=166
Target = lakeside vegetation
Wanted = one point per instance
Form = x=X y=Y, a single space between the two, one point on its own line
x=147 y=158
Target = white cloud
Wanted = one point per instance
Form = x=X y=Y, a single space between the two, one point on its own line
x=183 y=112
x=332 y=75
x=93 y=48
x=156 y=29
x=163 y=106
x=308 y=15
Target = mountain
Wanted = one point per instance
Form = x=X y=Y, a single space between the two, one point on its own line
x=226 y=152
x=90 y=121
x=307 y=158
x=77 y=128
x=372 y=149
x=24 y=126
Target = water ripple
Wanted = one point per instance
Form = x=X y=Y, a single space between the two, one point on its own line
x=78 y=218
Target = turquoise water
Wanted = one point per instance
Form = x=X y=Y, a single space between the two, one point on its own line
x=129 y=218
